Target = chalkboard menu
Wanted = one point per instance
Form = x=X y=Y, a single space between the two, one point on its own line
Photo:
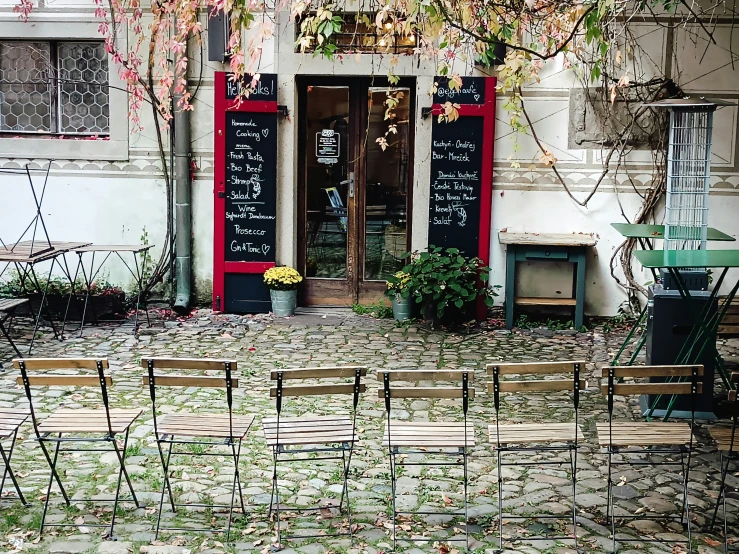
x=472 y=91
x=456 y=178
x=251 y=186
x=265 y=89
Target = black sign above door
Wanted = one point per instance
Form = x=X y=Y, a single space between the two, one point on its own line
x=472 y=91
x=265 y=89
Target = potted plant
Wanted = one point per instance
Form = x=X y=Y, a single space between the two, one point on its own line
x=283 y=289
x=445 y=283
x=399 y=294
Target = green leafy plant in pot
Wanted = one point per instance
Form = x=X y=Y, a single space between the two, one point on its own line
x=445 y=283
x=399 y=294
x=283 y=289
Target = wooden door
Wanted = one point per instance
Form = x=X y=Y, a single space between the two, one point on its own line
x=354 y=192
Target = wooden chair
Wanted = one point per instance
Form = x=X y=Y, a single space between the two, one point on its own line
x=80 y=425
x=727 y=442
x=296 y=439
x=8 y=307
x=10 y=421
x=652 y=437
x=220 y=428
x=444 y=438
x=536 y=437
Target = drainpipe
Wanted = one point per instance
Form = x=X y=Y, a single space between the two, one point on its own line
x=183 y=222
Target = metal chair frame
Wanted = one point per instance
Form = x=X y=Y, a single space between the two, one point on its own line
x=571 y=448
x=6 y=457
x=233 y=442
x=343 y=451
x=395 y=451
x=725 y=460
x=109 y=438
x=684 y=453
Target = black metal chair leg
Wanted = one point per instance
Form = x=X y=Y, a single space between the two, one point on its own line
x=8 y=471
x=233 y=489
x=6 y=334
x=274 y=482
x=48 y=488
x=277 y=500
x=610 y=506
x=121 y=459
x=500 y=500
x=238 y=477
x=165 y=485
x=395 y=513
x=573 y=466
x=686 y=501
x=121 y=472
x=466 y=517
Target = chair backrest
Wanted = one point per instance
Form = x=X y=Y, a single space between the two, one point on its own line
x=354 y=387
x=679 y=380
x=391 y=390
x=217 y=374
x=574 y=383
x=95 y=366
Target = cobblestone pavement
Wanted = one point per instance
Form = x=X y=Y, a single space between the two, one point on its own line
x=261 y=345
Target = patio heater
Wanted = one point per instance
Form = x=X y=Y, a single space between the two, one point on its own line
x=669 y=317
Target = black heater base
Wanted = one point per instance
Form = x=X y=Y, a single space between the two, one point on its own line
x=646 y=401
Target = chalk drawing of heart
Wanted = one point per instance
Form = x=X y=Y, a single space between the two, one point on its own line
x=477 y=96
x=265 y=248
x=265 y=132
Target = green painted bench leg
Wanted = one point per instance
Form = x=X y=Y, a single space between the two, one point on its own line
x=510 y=284
x=579 y=259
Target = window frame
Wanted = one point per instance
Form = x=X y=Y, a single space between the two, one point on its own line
x=115 y=146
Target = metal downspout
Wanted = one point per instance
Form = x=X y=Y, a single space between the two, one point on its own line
x=183 y=221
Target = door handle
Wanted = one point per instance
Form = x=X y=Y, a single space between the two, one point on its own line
x=351 y=184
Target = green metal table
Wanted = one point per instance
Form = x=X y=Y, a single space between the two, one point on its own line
x=644 y=231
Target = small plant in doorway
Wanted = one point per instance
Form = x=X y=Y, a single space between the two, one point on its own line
x=377 y=310
x=399 y=292
x=283 y=289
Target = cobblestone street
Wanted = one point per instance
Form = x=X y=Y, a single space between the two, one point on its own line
x=317 y=339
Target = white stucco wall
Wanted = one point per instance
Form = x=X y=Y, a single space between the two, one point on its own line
x=110 y=201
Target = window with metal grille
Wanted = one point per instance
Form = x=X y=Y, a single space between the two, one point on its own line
x=54 y=87
x=358 y=34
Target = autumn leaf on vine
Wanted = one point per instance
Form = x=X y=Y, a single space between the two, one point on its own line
x=624 y=81
x=614 y=93
x=450 y=113
x=382 y=141
x=619 y=57
x=548 y=158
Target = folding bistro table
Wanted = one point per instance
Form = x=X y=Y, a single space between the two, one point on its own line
x=25 y=256
x=90 y=274
x=643 y=233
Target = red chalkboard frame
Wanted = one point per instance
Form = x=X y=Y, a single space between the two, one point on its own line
x=485 y=110
x=220 y=266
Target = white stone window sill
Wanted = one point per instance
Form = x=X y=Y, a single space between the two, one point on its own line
x=67 y=149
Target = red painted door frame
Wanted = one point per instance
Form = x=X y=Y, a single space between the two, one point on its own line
x=220 y=266
x=487 y=112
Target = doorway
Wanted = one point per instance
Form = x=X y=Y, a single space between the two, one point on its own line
x=354 y=194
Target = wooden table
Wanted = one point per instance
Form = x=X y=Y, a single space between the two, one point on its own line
x=91 y=273
x=25 y=255
x=548 y=247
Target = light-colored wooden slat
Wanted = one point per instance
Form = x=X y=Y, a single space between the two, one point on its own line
x=202 y=364
x=722 y=435
x=546 y=239
x=65 y=381
x=652 y=371
x=627 y=389
x=537 y=385
x=426 y=392
x=204 y=425
x=190 y=381
x=319 y=372
x=306 y=419
x=316 y=390
x=429 y=434
x=59 y=363
x=730 y=319
x=312 y=439
x=541 y=301
x=88 y=421
x=627 y=433
x=534 y=433
x=535 y=368
x=414 y=376
x=7 y=304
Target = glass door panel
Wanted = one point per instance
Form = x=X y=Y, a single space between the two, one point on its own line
x=386 y=181
x=327 y=181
